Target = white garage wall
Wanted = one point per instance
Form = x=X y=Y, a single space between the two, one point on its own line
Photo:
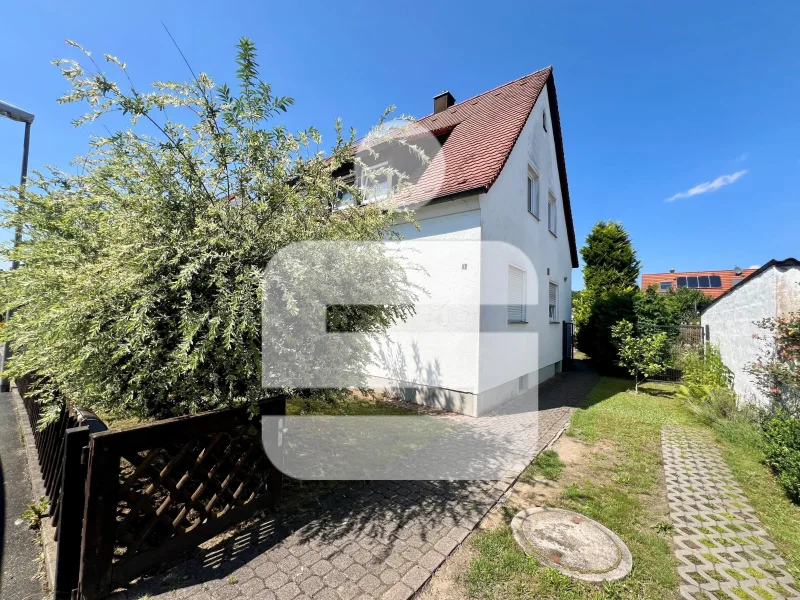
x=731 y=323
x=505 y=217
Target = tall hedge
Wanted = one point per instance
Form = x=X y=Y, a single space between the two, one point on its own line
x=610 y=272
x=139 y=291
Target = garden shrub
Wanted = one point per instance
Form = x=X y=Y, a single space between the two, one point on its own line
x=141 y=276
x=594 y=336
x=705 y=368
x=642 y=354
x=782 y=451
x=707 y=386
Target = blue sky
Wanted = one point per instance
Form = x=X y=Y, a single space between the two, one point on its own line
x=691 y=102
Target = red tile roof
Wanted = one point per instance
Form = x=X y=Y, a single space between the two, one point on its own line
x=483 y=131
x=726 y=277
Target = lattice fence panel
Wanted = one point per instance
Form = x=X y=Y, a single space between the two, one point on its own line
x=172 y=489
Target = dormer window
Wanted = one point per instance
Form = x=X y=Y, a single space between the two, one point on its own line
x=376 y=181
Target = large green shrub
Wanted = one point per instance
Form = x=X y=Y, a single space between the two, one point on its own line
x=609 y=259
x=782 y=451
x=139 y=291
x=594 y=336
x=610 y=273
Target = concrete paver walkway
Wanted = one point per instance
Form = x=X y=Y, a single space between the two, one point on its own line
x=378 y=539
x=724 y=550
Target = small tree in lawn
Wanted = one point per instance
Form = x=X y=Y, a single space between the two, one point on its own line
x=640 y=354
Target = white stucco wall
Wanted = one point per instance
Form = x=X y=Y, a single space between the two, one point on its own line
x=505 y=217
x=438 y=346
x=732 y=325
x=788 y=291
x=470 y=352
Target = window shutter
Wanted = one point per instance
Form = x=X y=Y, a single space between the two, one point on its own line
x=516 y=294
x=552 y=308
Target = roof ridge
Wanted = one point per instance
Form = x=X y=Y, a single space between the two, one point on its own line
x=494 y=89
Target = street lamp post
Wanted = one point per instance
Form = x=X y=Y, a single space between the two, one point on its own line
x=15 y=114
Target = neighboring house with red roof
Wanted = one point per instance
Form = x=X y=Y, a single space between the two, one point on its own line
x=498 y=248
x=712 y=283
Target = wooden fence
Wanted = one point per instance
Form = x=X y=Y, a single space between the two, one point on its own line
x=127 y=501
x=50 y=442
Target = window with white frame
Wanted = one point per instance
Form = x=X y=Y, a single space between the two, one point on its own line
x=552 y=303
x=516 y=295
x=533 y=192
x=376 y=181
x=552 y=213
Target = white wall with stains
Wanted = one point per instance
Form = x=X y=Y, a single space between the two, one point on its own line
x=732 y=323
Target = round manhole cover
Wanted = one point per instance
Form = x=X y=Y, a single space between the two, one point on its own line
x=573 y=544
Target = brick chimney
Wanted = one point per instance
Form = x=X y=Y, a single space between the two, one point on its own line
x=442 y=102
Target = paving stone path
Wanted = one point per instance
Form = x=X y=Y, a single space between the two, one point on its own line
x=722 y=546
x=378 y=539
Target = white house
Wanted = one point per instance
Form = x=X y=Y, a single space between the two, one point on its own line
x=732 y=320
x=493 y=206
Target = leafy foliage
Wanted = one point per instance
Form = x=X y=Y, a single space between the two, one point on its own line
x=610 y=273
x=669 y=309
x=140 y=286
x=707 y=387
x=35 y=512
x=594 y=336
x=782 y=451
x=609 y=258
x=778 y=374
x=778 y=371
x=641 y=354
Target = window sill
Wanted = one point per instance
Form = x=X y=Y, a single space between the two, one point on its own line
x=534 y=215
x=517 y=322
x=552 y=233
x=555 y=322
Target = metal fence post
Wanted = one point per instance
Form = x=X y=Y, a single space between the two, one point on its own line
x=273 y=438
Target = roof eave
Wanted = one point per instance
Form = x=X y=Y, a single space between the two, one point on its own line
x=786 y=262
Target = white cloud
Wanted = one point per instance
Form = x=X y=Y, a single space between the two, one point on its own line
x=743 y=157
x=708 y=186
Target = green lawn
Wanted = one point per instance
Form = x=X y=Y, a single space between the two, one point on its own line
x=547 y=465
x=622 y=488
x=352 y=406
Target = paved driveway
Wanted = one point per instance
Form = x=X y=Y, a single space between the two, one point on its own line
x=376 y=539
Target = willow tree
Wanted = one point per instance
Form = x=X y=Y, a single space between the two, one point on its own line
x=139 y=290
